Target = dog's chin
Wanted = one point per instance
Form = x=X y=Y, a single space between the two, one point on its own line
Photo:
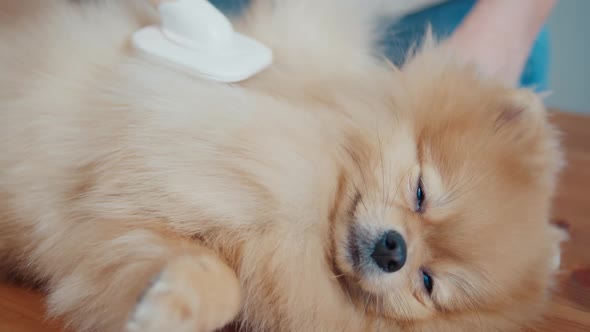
x=364 y=300
x=366 y=295
x=349 y=268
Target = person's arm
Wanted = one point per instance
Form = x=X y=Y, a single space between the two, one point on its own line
x=498 y=35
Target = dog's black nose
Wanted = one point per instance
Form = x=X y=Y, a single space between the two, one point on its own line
x=390 y=252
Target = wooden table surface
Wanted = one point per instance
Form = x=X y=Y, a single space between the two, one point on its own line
x=22 y=310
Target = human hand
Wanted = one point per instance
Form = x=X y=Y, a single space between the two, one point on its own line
x=498 y=35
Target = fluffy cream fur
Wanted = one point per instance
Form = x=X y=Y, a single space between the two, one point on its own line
x=146 y=199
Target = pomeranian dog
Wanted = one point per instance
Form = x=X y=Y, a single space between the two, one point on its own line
x=331 y=192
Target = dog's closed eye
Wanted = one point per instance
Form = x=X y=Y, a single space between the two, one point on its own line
x=427 y=281
x=420 y=196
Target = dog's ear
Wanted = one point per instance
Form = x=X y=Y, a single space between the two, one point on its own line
x=521 y=114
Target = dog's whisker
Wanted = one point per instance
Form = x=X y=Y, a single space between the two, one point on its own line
x=457 y=192
x=360 y=198
x=399 y=184
x=382 y=167
x=365 y=313
x=340 y=276
x=360 y=169
x=379 y=312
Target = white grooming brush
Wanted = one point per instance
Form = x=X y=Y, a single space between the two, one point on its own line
x=196 y=36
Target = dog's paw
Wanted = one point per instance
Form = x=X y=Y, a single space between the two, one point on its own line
x=192 y=294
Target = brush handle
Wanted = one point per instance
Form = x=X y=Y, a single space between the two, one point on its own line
x=193 y=22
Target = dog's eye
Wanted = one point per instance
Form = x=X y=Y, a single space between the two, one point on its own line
x=427 y=280
x=420 y=196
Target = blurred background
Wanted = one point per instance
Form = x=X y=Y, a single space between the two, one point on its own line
x=569 y=28
x=569 y=32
